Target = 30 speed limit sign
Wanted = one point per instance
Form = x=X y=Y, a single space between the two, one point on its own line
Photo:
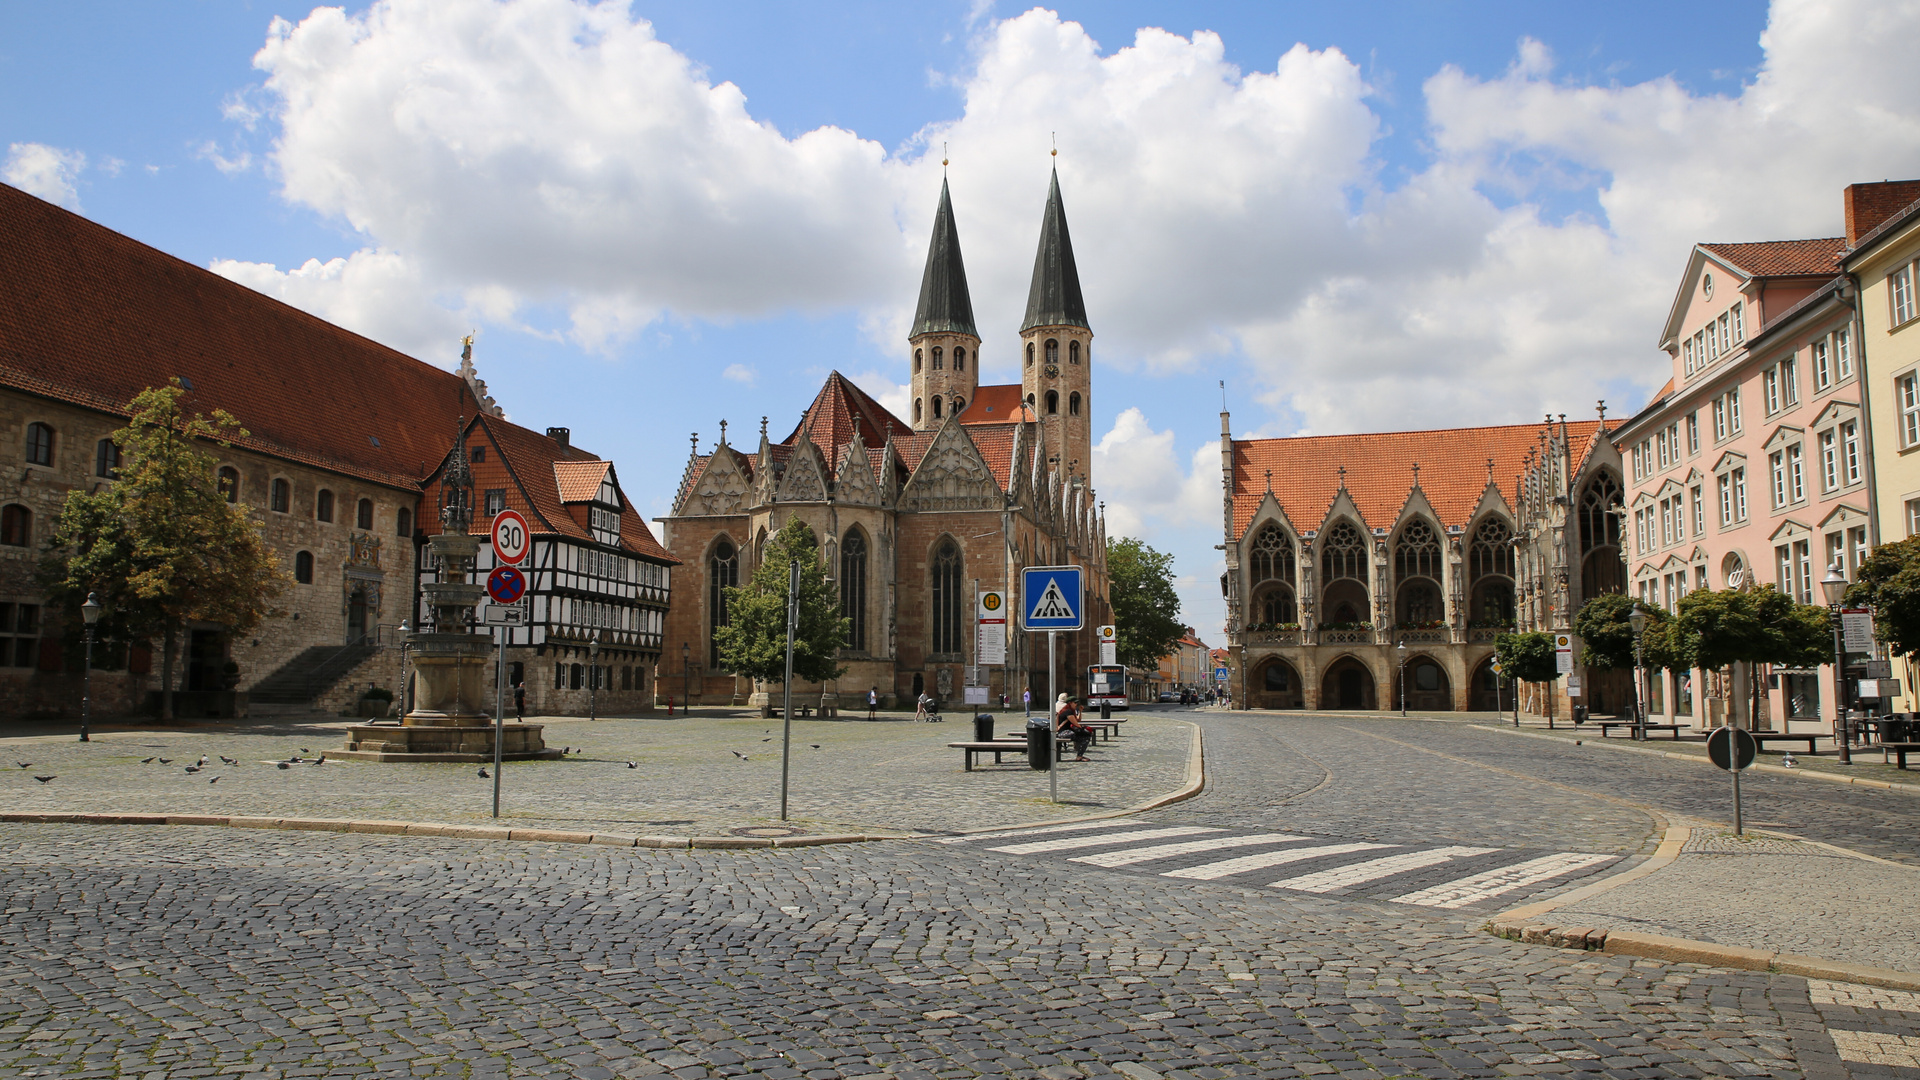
x=510 y=539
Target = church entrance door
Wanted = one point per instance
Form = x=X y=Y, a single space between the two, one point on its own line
x=357 y=617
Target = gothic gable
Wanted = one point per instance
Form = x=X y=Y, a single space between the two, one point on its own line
x=806 y=475
x=855 y=483
x=721 y=490
x=952 y=476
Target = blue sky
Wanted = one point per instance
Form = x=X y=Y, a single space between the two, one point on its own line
x=1435 y=213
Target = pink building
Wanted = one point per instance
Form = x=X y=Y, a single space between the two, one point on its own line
x=1751 y=465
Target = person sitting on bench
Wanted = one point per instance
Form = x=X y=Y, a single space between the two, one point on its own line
x=1066 y=715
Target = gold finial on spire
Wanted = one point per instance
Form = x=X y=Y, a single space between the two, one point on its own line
x=943 y=155
x=1055 y=136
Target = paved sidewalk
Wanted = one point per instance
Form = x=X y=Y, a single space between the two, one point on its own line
x=873 y=777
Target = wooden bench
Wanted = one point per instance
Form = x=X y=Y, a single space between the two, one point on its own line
x=996 y=748
x=1899 y=749
x=1765 y=737
x=1606 y=726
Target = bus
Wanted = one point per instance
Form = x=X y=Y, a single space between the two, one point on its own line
x=1106 y=685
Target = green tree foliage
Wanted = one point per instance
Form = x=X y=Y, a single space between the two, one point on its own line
x=1607 y=635
x=1889 y=583
x=1526 y=656
x=754 y=641
x=1758 y=626
x=162 y=546
x=1146 y=609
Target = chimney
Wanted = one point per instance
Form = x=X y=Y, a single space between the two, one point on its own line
x=560 y=435
x=1868 y=205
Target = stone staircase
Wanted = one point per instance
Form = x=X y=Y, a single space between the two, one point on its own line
x=300 y=682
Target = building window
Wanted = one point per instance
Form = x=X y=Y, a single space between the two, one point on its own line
x=936 y=403
x=1740 y=494
x=916 y=361
x=1073 y=352
x=1857 y=536
x=959 y=405
x=303 y=567
x=16 y=526
x=1777 y=469
x=1073 y=401
x=229 y=483
x=1900 y=293
x=106 y=459
x=281 y=497
x=1640 y=532
x=1803 y=558
x=1719 y=418
x=1029 y=354
x=853 y=588
x=1739 y=321
x=937 y=365
x=1783 y=569
x=959 y=359
x=1770 y=390
x=1699 y=512
x=1829 y=461
x=947 y=637
x=1686 y=354
x=1843 y=354
x=1053 y=351
x=1693 y=433
x=577 y=677
x=19 y=635
x=477 y=454
x=1837 y=550
x=1822 y=366
x=1796 y=474
x=916 y=410
x=323 y=506
x=1733 y=410
x=363 y=514
x=1053 y=402
x=39 y=444
x=1909 y=388
x=403 y=522
x=723 y=573
x=1726 y=501
x=1850 y=450
x=1790 y=381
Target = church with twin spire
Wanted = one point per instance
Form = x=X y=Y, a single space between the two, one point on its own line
x=916 y=519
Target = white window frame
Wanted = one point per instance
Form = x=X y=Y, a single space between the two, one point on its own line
x=1739 y=321
x=1699 y=512
x=1908 y=387
x=1733 y=410
x=1850 y=450
x=1719 y=418
x=1790 y=380
x=1822 y=365
x=1740 y=493
x=1796 y=474
x=1829 y=460
x=1842 y=355
x=1777 y=475
x=1693 y=432
x=1725 y=486
x=1770 y=390
x=1900 y=305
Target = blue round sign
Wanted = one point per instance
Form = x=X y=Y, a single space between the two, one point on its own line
x=506 y=585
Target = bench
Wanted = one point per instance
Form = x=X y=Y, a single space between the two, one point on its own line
x=996 y=748
x=1765 y=737
x=1900 y=749
x=1606 y=726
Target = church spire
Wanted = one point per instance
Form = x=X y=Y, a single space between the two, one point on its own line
x=1054 y=298
x=945 y=305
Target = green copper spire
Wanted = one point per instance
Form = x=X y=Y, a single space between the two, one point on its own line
x=1055 y=299
x=945 y=306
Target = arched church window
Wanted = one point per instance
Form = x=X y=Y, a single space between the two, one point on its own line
x=228 y=480
x=1053 y=402
x=1343 y=553
x=916 y=361
x=946 y=599
x=853 y=588
x=936 y=408
x=959 y=359
x=1053 y=351
x=959 y=405
x=1272 y=556
x=1029 y=354
x=1599 y=525
x=916 y=410
x=723 y=573
x=936 y=358
x=1073 y=352
x=1492 y=550
x=1073 y=403
x=1418 y=552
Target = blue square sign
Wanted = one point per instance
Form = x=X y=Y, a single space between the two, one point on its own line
x=1051 y=598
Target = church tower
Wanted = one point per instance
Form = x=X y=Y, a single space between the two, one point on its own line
x=945 y=343
x=1056 y=345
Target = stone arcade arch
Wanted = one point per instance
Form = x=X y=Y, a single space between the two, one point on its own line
x=1428 y=688
x=1348 y=684
x=1275 y=684
x=1484 y=692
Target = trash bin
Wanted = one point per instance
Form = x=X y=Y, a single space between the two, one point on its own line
x=1106 y=708
x=982 y=727
x=1896 y=730
x=1040 y=744
x=1579 y=715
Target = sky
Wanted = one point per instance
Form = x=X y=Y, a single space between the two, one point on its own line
x=656 y=216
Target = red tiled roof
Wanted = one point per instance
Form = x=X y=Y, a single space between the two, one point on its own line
x=996 y=405
x=911 y=447
x=1453 y=471
x=1783 y=258
x=579 y=481
x=839 y=410
x=995 y=443
x=91 y=317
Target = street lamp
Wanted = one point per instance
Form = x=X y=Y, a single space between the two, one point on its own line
x=1834 y=588
x=406 y=680
x=90 y=612
x=593 y=674
x=1400 y=650
x=686 y=676
x=1637 y=618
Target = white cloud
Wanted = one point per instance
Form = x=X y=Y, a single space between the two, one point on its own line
x=896 y=398
x=46 y=171
x=209 y=151
x=739 y=373
x=374 y=293
x=1152 y=496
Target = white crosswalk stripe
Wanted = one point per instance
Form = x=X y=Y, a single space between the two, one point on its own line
x=1484 y=886
x=1070 y=843
x=1264 y=859
x=1164 y=851
x=1345 y=877
x=1002 y=835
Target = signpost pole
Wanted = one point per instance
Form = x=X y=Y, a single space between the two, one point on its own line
x=1736 y=802
x=499 y=714
x=1053 y=774
x=786 y=703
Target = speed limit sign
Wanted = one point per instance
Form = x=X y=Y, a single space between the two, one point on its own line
x=510 y=539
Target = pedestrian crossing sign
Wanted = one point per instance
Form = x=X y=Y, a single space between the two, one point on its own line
x=1051 y=598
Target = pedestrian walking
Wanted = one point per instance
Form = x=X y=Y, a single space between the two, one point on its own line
x=873 y=701
x=920 y=708
x=1026 y=701
x=520 y=700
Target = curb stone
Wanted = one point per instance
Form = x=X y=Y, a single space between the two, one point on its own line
x=458 y=832
x=1815 y=774
x=1684 y=951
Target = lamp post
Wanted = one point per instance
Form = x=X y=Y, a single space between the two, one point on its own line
x=686 y=677
x=593 y=675
x=1637 y=618
x=1834 y=588
x=406 y=680
x=90 y=612
x=1400 y=650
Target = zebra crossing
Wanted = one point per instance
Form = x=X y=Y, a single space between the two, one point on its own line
x=1443 y=876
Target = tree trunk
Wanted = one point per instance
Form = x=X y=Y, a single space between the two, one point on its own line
x=166 y=678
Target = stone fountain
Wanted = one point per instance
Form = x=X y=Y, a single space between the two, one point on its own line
x=453 y=667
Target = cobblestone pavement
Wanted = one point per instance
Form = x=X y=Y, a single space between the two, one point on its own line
x=176 y=952
x=699 y=776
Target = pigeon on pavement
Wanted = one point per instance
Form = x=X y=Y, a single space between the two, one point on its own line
x=146 y=761
x=228 y=760
x=193 y=768
x=483 y=773
x=203 y=761
x=44 y=779
x=322 y=759
x=738 y=754
x=166 y=761
x=815 y=745
x=215 y=780
x=282 y=765
x=24 y=764
x=631 y=765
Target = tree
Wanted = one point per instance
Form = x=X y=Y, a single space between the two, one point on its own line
x=754 y=641
x=1754 y=626
x=1606 y=631
x=1146 y=609
x=1889 y=583
x=161 y=545
x=1526 y=656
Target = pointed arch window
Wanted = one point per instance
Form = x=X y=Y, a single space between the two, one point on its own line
x=916 y=410
x=959 y=359
x=959 y=405
x=947 y=567
x=1073 y=352
x=1053 y=402
x=1492 y=550
x=1273 y=570
x=853 y=588
x=1599 y=525
x=1418 y=552
x=1343 y=554
x=723 y=573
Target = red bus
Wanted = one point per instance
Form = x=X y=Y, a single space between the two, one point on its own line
x=1106 y=684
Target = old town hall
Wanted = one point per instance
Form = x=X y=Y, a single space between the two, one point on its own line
x=914 y=519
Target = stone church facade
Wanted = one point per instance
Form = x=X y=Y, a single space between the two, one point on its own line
x=916 y=518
